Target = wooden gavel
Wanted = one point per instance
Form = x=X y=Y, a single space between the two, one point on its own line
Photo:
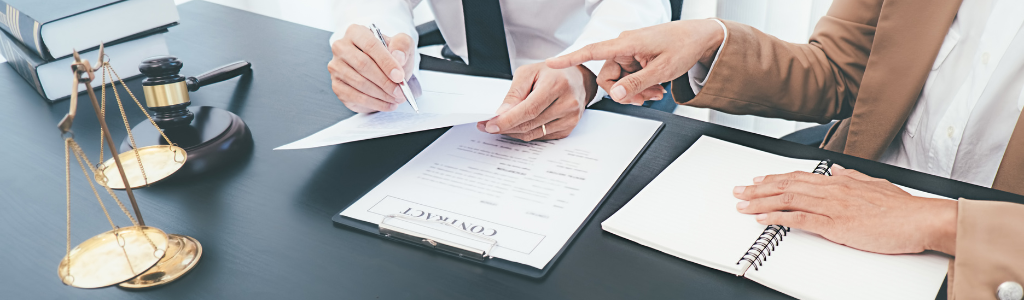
x=211 y=136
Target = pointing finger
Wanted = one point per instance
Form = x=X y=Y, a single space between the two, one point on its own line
x=598 y=51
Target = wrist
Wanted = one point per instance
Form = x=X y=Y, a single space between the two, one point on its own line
x=942 y=231
x=589 y=84
x=713 y=42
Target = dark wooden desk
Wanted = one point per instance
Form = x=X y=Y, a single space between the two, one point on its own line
x=265 y=223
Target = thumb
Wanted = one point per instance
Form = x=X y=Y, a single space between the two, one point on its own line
x=402 y=50
x=521 y=87
x=636 y=83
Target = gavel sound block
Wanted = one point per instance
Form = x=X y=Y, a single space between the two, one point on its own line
x=212 y=137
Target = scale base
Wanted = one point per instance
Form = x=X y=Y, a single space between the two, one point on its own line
x=214 y=139
x=183 y=252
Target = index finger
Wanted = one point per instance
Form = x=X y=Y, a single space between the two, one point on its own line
x=597 y=51
x=785 y=186
x=795 y=176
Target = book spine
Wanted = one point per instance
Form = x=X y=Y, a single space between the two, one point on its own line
x=23 y=28
x=23 y=61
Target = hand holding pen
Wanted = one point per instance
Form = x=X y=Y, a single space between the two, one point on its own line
x=367 y=73
x=405 y=87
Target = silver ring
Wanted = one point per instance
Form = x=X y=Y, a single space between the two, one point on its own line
x=544 y=129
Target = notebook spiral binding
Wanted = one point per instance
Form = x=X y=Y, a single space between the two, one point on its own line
x=824 y=168
x=764 y=245
x=772 y=235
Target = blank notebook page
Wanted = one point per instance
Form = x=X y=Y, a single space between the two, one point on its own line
x=689 y=211
x=807 y=266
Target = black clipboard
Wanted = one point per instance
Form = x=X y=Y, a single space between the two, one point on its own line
x=456 y=252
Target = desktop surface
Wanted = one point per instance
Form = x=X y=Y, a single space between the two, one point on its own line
x=265 y=223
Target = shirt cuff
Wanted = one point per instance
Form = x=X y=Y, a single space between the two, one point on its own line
x=595 y=67
x=699 y=73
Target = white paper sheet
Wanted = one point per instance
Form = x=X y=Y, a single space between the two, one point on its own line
x=529 y=196
x=446 y=100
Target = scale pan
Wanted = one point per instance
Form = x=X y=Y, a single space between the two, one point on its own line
x=183 y=253
x=102 y=260
x=158 y=161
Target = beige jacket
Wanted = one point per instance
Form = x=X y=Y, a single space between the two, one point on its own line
x=865 y=65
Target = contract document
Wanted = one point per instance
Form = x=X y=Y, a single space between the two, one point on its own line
x=529 y=198
x=445 y=100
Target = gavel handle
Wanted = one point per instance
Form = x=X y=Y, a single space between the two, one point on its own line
x=222 y=73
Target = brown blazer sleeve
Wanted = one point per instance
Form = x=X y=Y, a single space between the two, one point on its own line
x=756 y=73
x=989 y=248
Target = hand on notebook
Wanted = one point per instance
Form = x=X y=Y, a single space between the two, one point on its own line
x=543 y=96
x=639 y=60
x=852 y=209
x=365 y=74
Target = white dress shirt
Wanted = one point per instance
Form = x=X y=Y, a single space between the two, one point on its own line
x=534 y=30
x=969 y=106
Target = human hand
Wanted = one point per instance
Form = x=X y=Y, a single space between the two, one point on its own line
x=539 y=96
x=639 y=60
x=852 y=209
x=365 y=74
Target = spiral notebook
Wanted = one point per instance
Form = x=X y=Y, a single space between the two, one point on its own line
x=689 y=211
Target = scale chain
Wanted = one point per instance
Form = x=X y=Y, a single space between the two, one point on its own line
x=67 y=185
x=78 y=158
x=140 y=107
x=103 y=114
x=80 y=155
x=124 y=117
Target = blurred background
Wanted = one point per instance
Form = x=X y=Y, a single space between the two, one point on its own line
x=789 y=20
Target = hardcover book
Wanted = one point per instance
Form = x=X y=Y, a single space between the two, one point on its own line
x=52 y=79
x=52 y=29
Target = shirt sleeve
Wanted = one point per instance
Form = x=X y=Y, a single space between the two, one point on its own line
x=391 y=16
x=608 y=18
x=699 y=73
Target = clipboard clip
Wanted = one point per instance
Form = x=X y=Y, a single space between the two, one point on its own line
x=454 y=248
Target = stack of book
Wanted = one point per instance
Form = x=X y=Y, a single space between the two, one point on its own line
x=39 y=37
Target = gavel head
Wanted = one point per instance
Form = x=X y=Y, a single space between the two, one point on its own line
x=166 y=91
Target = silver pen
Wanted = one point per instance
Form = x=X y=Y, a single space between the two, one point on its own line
x=405 y=87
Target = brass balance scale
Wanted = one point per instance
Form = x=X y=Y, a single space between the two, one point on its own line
x=137 y=256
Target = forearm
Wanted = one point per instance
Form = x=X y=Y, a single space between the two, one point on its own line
x=758 y=74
